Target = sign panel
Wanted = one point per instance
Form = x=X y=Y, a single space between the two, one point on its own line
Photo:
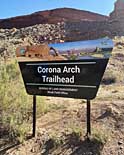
x=70 y=69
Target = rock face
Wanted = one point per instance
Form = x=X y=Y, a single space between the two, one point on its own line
x=86 y=30
x=117 y=18
x=118 y=12
x=51 y=17
x=10 y=39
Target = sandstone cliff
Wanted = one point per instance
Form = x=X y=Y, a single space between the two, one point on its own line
x=51 y=17
x=118 y=12
x=116 y=21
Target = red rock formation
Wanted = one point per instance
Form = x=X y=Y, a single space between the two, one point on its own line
x=117 y=18
x=51 y=16
x=118 y=12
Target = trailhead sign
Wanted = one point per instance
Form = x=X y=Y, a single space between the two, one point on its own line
x=69 y=69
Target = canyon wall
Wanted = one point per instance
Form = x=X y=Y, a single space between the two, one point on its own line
x=116 y=20
x=113 y=26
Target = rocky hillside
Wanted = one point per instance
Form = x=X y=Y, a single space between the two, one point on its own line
x=51 y=17
x=10 y=39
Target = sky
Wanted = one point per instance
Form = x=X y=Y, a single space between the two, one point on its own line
x=12 y=8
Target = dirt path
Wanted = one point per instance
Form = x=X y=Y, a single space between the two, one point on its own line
x=58 y=132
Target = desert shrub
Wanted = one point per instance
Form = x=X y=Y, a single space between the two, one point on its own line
x=14 y=104
x=56 y=139
x=109 y=78
x=101 y=135
x=75 y=129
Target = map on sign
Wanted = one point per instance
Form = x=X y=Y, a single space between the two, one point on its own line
x=68 y=69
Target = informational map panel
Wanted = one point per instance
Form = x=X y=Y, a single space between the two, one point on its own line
x=69 y=69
